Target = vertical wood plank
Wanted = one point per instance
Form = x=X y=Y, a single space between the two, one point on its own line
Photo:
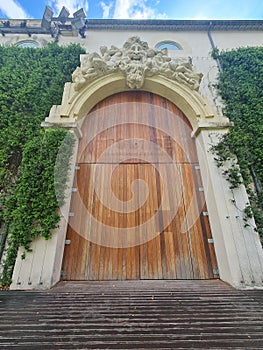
x=172 y=253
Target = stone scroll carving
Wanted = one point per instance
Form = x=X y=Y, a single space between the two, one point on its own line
x=135 y=61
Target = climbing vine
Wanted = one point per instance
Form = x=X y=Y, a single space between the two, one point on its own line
x=241 y=87
x=32 y=209
x=31 y=81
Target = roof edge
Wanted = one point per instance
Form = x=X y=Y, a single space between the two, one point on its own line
x=150 y=24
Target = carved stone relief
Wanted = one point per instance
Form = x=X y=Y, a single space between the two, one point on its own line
x=135 y=61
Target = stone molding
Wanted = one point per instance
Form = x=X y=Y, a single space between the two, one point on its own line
x=77 y=104
x=141 y=24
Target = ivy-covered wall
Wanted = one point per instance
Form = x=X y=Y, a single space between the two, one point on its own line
x=31 y=81
x=241 y=87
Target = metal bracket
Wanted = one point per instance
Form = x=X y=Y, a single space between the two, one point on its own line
x=197 y=167
x=77 y=167
x=201 y=189
x=63 y=273
x=215 y=271
x=74 y=189
x=67 y=241
x=70 y=214
x=210 y=240
x=205 y=213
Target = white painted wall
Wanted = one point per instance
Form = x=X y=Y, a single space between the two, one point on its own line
x=238 y=248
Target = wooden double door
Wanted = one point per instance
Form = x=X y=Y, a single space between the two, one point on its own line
x=137 y=208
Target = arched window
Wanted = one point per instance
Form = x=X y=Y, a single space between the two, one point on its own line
x=169 y=45
x=28 y=43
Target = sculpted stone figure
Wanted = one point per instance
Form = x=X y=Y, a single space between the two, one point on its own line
x=93 y=66
x=135 y=61
x=181 y=70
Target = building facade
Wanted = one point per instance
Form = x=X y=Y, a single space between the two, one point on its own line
x=145 y=198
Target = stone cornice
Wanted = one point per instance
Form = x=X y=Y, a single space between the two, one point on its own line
x=173 y=25
x=211 y=126
x=34 y=25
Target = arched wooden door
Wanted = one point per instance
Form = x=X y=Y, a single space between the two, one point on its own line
x=137 y=209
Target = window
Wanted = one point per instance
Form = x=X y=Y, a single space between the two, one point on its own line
x=28 y=43
x=169 y=45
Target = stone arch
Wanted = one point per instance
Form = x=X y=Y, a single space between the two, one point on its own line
x=135 y=66
x=76 y=104
x=232 y=256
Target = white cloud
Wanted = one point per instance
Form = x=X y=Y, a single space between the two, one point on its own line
x=122 y=8
x=135 y=9
x=13 y=9
x=71 y=5
x=106 y=9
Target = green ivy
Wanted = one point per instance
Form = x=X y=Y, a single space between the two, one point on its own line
x=31 y=81
x=241 y=87
x=32 y=208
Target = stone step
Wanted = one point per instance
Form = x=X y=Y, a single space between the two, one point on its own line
x=132 y=315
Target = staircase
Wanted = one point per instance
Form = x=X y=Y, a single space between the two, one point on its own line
x=132 y=315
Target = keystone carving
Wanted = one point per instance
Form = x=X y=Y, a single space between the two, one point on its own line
x=135 y=61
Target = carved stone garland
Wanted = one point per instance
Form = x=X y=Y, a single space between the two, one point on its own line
x=135 y=61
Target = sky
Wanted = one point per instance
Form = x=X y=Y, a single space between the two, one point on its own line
x=137 y=9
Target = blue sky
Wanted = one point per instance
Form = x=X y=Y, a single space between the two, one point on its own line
x=138 y=9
